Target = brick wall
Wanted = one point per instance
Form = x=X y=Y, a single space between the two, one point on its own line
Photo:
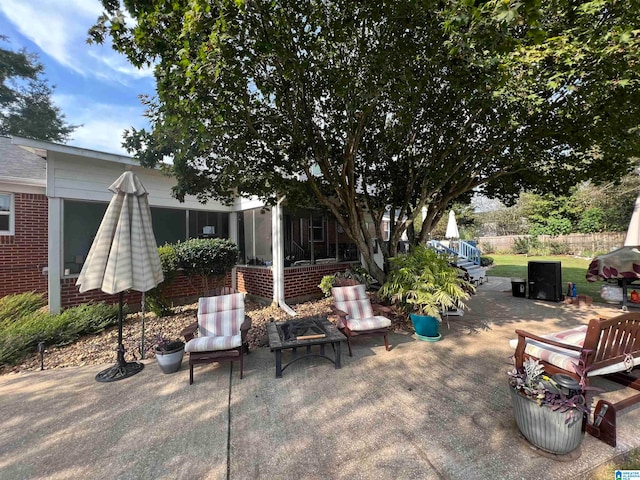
x=300 y=283
x=180 y=291
x=24 y=254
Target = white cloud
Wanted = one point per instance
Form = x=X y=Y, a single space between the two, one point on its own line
x=59 y=28
x=103 y=124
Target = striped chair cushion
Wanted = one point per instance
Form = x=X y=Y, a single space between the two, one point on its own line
x=221 y=316
x=210 y=344
x=560 y=357
x=353 y=300
x=370 y=323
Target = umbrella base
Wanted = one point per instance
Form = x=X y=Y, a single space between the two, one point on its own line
x=119 y=371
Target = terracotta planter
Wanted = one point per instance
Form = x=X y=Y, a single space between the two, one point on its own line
x=426 y=327
x=170 y=360
x=546 y=428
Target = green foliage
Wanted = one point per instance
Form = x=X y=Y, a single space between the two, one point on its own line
x=424 y=282
x=591 y=221
x=356 y=272
x=551 y=225
x=154 y=298
x=526 y=245
x=22 y=335
x=15 y=307
x=495 y=85
x=487 y=248
x=326 y=284
x=559 y=248
x=26 y=107
x=207 y=258
x=486 y=261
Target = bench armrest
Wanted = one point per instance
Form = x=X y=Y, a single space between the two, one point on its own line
x=189 y=331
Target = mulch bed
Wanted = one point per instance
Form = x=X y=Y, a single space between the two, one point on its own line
x=101 y=349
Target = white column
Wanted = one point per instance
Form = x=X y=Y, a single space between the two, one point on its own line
x=55 y=254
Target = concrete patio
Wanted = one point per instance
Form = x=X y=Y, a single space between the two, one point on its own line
x=423 y=410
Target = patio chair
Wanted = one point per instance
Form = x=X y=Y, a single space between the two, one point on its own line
x=222 y=332
x=607 y=347
x=356 y=315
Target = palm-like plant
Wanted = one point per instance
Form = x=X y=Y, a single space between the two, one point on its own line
x=425 y=283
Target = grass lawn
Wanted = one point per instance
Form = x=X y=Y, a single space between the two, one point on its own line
x=573 y=270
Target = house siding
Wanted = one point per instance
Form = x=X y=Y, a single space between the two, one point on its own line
x=23 y=255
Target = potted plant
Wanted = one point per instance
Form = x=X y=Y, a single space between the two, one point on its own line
x=169 y=353
x=550 y=411
x=426 y=285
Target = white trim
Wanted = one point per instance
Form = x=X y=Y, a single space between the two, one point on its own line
x=11 y=215
x=41 y=148
x=15 y=188
x=55 y=254
x=32 y=182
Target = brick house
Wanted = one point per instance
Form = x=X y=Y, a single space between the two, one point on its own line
x=53 y=198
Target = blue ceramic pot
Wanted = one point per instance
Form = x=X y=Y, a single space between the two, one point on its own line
x=426 y=327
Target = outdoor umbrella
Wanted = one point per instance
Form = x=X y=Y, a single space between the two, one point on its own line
x=633 y=231
x=123 y=256
x=452 y=226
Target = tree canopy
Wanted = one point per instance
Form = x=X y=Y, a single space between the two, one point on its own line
x=26 y=108
x=388 y=106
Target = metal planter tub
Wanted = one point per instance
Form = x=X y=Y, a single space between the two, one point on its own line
x=545 y=428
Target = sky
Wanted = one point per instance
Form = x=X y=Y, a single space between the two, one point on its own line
x=95 y=86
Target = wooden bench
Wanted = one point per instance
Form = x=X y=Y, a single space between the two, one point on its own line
x=608 y=347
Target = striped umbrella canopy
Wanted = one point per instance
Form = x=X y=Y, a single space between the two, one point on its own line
x=452 y=226
x=123 y=256
x=124 y=253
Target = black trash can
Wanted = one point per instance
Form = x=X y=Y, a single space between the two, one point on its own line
x=519 y=287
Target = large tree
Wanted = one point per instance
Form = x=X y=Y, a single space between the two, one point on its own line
x=371 y=107
x=26 y=107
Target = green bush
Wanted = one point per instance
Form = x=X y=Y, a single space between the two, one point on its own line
x=559 y=248
x=487 y=248
x=22 y=336
x=208 y=258
x=14 y=307
x=154 y=299
x=526 y=245
x=486 y=261
x=326 y=284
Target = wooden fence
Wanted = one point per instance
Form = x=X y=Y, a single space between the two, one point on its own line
x=577 y=243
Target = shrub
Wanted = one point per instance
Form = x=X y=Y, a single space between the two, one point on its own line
x=355 y=272
x=486 y=261
x=207 y=258
x=154 y=298
x=326 y=284
x=14 y=307
x=559 y=248
x=526 y=245
x=22 y=336
x=488 y=248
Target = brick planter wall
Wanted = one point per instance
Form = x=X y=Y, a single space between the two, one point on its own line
x=180 y=291
x=300 y=283
x=24 y=254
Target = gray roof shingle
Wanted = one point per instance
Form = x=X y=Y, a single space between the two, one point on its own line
x=17 y=164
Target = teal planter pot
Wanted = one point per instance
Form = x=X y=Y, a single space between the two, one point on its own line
x=426 y=327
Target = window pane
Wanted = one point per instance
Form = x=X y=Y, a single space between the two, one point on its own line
x=4 y=223
x=208 y=224
x=169 y=225
x=5 y=203
x=81 y=222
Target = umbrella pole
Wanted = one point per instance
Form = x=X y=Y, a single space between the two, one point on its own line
x=121 y=369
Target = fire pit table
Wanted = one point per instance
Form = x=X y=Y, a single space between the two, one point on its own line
x=303 y=334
